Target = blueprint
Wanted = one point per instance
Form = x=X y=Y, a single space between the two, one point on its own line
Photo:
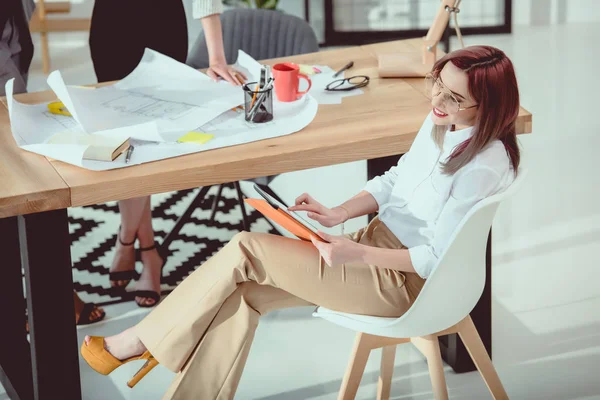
x=158 y=103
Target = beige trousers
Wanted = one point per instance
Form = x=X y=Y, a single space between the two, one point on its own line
x=204 y=329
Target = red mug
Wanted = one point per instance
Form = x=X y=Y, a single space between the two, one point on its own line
x=287 y=80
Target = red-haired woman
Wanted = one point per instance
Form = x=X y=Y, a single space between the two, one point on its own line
x=465 y=151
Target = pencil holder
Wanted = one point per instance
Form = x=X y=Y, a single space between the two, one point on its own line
x=258 y=104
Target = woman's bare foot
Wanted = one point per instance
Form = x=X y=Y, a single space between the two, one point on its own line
x=123 y=345
x=124 y=258
x=150 y=276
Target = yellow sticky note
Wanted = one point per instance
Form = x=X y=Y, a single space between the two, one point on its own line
x=195 y=137
x=307 y=69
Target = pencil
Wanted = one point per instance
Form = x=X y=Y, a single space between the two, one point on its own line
x=254 y=97
x=238 y=78
x=241 y=82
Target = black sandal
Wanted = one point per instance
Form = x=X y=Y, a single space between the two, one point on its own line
x=84 y=316
x=126 y=276
x=86 y=312
x=150 y=294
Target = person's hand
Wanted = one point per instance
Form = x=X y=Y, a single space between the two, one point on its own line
x=328 y=217
x=339 y=250
x=222 y=70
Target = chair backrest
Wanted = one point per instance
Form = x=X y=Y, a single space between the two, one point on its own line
x=457 y=282
x=262 y=34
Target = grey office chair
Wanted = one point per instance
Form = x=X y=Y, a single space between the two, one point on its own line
x=262 y=34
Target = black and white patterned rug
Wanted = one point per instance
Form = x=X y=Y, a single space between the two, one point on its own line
x=94 y=232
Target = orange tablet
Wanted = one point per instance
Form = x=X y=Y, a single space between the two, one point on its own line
x=283 y=219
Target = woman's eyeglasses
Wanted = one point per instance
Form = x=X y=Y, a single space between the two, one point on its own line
x=435 y=87
x=346 y=84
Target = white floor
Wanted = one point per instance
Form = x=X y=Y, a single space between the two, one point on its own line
x=546 y=297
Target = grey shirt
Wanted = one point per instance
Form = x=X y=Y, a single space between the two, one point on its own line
x=10 y=48
x=9 y=41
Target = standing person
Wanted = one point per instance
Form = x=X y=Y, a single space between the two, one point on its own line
x=16 y=52
x=120 y=32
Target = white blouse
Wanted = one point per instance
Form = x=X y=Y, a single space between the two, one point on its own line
x=422 y=206
x=204 y=8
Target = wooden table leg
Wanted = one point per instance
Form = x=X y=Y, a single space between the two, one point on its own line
x=46 y=258
x=15 y=357
x=452 y=348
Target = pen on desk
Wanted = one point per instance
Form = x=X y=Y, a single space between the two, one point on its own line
x=263 y=77
x=260 y=85
x=347 y=66
x=128 y=155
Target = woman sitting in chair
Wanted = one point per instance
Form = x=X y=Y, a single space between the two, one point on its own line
x=465 y=151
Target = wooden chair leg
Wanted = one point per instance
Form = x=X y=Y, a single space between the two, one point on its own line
x=430 y=347
x=45 y=53
x=356 y=367
x=41 y=10
x=470 y=337
x=388 y=354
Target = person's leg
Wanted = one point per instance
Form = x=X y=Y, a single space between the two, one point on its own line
x=173 y=331
x=116 y=46
x=86 y=313
x=153 y=263
x=119 y=35
x=170 y=40
x=175 y=327
x=131 y=211
x=227 y=342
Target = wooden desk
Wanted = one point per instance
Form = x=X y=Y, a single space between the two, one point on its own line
x=28 y=182
x=383 y=122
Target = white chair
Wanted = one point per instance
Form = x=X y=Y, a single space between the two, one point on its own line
x=442 y=307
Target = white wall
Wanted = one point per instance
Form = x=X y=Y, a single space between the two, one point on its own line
x=525 y=12
x=549 y=12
